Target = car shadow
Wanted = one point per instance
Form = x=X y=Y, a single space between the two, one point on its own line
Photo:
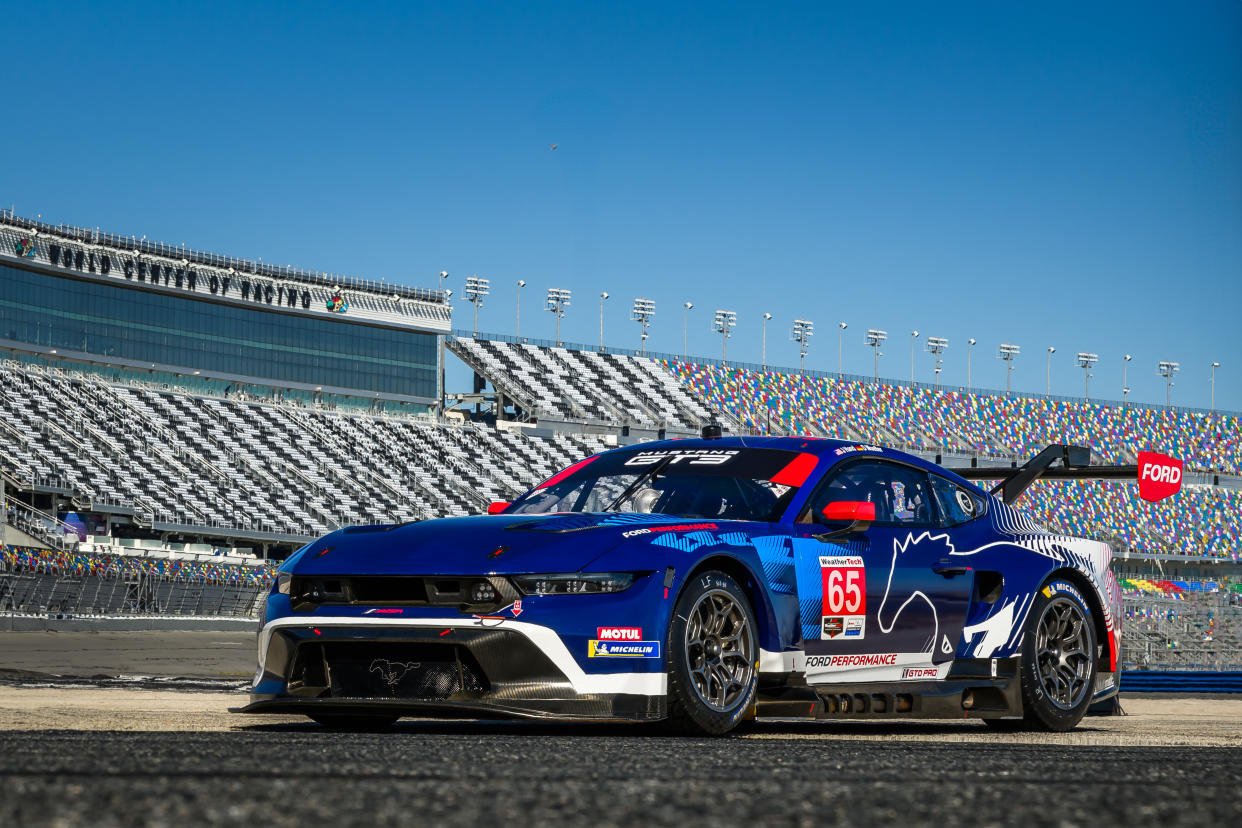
x=825 y=729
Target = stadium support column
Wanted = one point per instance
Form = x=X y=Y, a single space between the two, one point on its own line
x=440 y=390
x=4 y=510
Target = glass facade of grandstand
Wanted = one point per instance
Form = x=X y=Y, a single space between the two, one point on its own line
x=130 y=324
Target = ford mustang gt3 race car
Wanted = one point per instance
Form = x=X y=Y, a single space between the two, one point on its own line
x=708 y=580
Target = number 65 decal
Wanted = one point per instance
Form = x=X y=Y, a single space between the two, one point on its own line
x=844 y=581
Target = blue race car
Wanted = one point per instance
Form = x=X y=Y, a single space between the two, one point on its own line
x=702 y=582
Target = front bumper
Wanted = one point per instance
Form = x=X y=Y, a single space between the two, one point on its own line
x=430 y=666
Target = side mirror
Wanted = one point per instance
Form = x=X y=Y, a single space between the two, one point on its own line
x=859 y=515
x=851 y=510
x=497 y=506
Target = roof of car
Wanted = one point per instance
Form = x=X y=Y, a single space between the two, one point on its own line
x=824 y=447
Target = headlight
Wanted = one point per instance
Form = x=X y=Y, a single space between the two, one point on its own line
x=283 y=579
x=574 y=583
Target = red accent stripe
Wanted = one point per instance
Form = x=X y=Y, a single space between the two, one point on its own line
x=797 y=471
x=561 y=475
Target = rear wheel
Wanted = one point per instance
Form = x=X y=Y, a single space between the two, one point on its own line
x=354 y=723
x=712 y=658
x=1058 y=659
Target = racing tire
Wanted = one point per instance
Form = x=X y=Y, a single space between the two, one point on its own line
x=712 y=657
x=1059 y=660
x=357 y=724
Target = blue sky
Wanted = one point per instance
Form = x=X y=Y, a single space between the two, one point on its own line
x=1044 y=174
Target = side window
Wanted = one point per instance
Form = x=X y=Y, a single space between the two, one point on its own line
x=902 y=495
x=957 y=504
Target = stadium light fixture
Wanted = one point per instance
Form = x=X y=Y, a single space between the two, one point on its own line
x=641 y=313
x=841 y=326
x=803 y=330
x=1052 y=349
x=558 y=300
x=476 y=290
x=1008 y=353
x=913 y=336
x=1167 y=370
x=1215 y=365
x=936 y=346
x=763 y=352
x=1125 y=386
x=1085 y=361
x=970 y=344
x=443 y=276
x=603 y=294
x=875 y=338
x=723 y=323
x=685 y=315
x=517 y=322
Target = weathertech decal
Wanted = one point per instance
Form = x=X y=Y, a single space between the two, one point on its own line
x=632 y=649
x=619 y=633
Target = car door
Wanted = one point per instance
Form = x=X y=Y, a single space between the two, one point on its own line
x=887 y=603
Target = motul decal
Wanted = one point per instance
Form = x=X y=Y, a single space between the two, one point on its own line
x=1159 y=475
x=619 y=633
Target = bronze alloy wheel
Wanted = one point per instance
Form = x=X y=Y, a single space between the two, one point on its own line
x=720 y=649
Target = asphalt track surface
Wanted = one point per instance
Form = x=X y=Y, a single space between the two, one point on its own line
x=77 y=755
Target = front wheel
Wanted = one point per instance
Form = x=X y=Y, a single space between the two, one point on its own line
x=1058 y=658
x=712 y=658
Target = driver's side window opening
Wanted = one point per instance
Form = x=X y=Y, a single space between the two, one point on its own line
x=901 y=494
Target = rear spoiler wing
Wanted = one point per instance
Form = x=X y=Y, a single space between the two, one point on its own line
x=1159 y=476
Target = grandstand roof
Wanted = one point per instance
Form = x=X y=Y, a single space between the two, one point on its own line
x=94 y=255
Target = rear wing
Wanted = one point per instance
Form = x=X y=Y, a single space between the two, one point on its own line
x=1158 y=475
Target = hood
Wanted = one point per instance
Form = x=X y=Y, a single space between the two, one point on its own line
x=465 y=545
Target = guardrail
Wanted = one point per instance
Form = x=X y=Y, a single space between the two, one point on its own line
x=1181 y=681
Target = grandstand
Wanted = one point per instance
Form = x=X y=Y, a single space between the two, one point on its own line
x=139 y=448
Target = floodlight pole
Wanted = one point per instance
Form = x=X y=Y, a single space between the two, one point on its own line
x=641 y=313
x=1125 y=386
x=517 y=322
x=1167 y=369
x=685 y=316
x=875 y=338
x=476 y=290
x=970 y=344
x=1048 y=380
x=763 y=352
x=841 y=326
x=1085 y=361
x=602 y=296
x=803 y=330
x=1215 y=365
x=1008 y=353
x=936 y=346
x=914 y=335
x=722 y=324
x=558 y=300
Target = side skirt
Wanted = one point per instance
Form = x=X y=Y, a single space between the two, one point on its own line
x=974 y=689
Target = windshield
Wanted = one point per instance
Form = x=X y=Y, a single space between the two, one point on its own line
x=726 y=484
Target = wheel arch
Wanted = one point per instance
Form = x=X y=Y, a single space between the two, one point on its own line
x=765 y=619
x=1091 y=594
